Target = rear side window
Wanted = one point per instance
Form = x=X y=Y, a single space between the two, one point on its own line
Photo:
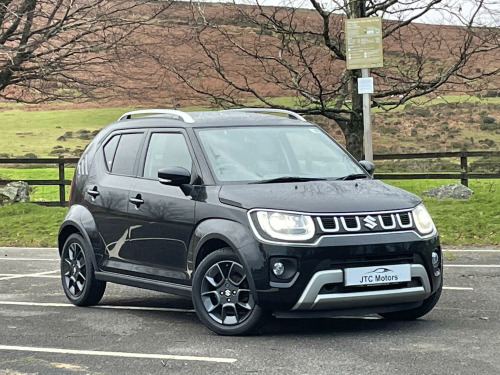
x=110 y=150
x=166 y=150
x=126 y=153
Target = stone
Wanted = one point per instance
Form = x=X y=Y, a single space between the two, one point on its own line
x=452 y=191
x=18 y=191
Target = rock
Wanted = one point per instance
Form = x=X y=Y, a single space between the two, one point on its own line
x=453 y=191
x=18 y=191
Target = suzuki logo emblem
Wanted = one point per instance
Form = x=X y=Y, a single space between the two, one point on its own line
x=370 y=222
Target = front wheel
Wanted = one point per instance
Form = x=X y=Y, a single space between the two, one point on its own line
x=222 y=295
x=77 y=273
x=417 y=312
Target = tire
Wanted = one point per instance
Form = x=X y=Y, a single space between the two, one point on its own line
x=222 y=296
x=418 y=312
x=77 y=273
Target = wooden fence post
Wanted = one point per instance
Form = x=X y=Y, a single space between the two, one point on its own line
x=62 y=187
x=464 y=180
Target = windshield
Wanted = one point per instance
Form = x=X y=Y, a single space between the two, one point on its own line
x=274 y=152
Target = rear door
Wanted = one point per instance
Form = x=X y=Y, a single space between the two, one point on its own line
x=107 y=192
x=163 y=214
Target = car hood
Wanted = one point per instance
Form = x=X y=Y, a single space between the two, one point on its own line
x=320 y=196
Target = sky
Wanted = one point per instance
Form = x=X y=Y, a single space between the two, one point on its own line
x=449 y=12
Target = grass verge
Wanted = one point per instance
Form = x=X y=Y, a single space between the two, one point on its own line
x=29 y=224
x=473 y=222
x=462 y=222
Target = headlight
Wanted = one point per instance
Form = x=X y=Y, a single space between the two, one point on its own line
x=422 y=220
x=288 y=227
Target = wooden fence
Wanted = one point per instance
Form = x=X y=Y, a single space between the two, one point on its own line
x=62 y=182
x=464 y=174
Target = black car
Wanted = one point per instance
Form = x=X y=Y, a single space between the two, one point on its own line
x=248 y=212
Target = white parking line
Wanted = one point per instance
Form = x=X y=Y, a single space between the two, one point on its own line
x=116 y=354
x=472 y=251
x=111 y=307
x=30 y=259
x=38 y=274
x=3 y=248
x=473 y=265
x=31 y=275
x=456 y=288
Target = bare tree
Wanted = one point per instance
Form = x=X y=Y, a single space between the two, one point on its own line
x=62 y=49
x=301 y=54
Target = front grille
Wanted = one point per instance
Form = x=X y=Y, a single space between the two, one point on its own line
x=330 y=223
x=365 y=223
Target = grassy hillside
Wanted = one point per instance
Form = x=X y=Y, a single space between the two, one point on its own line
x=444 y=124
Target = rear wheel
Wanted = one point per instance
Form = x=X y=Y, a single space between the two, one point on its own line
x=222 y=295
x=418 y=312
x=77 y=273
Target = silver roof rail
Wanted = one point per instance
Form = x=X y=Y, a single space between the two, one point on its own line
x=183 y=115
x=290 y=114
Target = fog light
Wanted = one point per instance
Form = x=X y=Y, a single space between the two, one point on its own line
x=278 y=268
x=435 y=259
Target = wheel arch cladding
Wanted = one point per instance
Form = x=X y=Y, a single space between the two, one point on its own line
x=80 y=221
x=213 y=234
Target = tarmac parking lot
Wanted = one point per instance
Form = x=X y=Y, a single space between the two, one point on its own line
x=134 y=331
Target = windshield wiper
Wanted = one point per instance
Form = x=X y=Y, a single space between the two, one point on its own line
x=353 y=176
x=288 y=179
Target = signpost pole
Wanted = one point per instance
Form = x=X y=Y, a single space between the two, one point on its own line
x=367 y=120
x=364 y=50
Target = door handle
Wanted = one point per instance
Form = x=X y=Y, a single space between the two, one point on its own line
x=137 y=200
x=93 y=192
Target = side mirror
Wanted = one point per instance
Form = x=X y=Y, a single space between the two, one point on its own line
x=368 y=166
x=174 y=176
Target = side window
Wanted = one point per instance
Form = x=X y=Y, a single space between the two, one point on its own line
x=126 y=154
x=166 y=150
x=109 y=151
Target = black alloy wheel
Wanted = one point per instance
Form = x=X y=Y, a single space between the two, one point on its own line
x=73 y=269
x=226 y=294
x=77 y=273
x=222 y=295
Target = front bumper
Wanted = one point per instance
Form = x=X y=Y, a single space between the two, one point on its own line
x=319 y=282
x=311 y=299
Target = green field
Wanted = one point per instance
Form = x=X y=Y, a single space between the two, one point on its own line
x=473 y=222
x=28 y=131
x=462 y=222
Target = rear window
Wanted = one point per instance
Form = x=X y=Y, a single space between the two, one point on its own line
x=125 y=154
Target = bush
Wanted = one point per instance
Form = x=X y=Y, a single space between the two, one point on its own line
x=30 y=155
x=422 y=112
x=486 y=165
x=488 y=120
x=388 y=130
x=488 y=142
x=492 y=127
